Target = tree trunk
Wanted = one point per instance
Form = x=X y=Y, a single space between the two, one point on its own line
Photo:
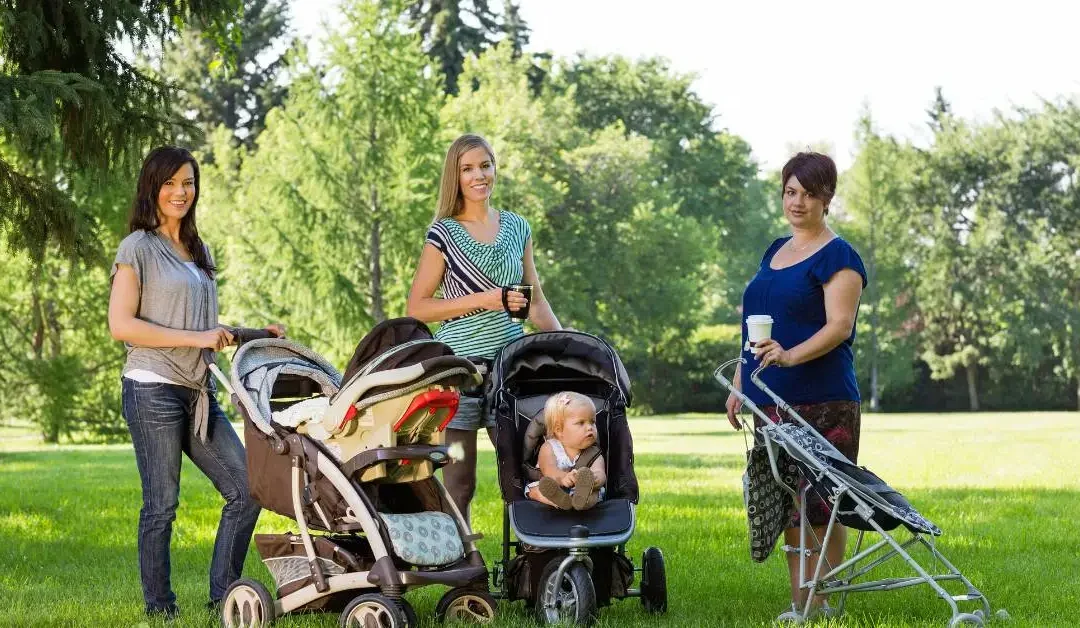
x=972 y=384
x=875 y=401
x=377 y=312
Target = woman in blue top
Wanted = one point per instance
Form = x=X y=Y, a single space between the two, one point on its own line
x=471 y=252
x=810 y=283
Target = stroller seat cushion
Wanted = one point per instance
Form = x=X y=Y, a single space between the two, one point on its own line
x=427 y=539
x=606 y=518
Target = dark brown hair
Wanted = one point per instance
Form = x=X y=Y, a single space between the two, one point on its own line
x=158 y=167
x=816 y=172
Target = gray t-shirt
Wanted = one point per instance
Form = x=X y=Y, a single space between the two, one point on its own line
x=170 y=296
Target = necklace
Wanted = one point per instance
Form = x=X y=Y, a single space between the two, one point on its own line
x=800 y=249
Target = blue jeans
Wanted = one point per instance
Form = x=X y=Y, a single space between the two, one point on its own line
x=159 y=417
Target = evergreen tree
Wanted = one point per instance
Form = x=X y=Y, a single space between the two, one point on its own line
x=70 y=102
x=454 y=29
x=237 y=95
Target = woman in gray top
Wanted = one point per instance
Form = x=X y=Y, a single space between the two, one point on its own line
x=163 y=307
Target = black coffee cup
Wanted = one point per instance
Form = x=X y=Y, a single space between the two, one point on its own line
x=521 y=315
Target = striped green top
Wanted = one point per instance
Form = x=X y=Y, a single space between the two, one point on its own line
x=473 y=266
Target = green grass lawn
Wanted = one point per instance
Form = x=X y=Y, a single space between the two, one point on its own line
x=1003 y=487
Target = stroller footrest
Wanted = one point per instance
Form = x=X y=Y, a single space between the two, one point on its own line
x=609 y=517
x=967 y=597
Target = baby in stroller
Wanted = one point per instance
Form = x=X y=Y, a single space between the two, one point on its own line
x=572 y=464
x=567 y=563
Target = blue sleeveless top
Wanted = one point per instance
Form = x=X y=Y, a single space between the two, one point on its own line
x=795 y=298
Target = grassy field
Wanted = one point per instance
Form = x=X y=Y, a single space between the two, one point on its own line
x=1003 y=487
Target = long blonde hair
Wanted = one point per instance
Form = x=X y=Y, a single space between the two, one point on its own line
x=558 y=407
x=450 y=199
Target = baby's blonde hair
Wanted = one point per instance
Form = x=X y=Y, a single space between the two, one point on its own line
x=558 y=407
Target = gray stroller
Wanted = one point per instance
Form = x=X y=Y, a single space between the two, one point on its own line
x=859 y=500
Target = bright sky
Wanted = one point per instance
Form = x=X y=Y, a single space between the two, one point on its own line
x=786 y=73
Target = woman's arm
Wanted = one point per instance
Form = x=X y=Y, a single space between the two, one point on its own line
x=126 y=326
x=540 y=312
x=842 y=294
x=422 y=303
x=734 y=404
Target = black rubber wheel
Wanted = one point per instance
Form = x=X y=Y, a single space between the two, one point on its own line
x=411 y=620
x=572 y=600
x=372 y=610
x=653 y=581
x=247 y=604
x=464 y=604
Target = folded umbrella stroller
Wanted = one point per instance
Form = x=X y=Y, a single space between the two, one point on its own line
x=860 y=500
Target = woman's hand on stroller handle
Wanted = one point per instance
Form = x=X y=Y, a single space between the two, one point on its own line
x=214 y=339
x=247 y=334
x=734 y=405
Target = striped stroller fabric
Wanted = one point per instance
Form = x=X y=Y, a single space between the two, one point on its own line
x=891 y=508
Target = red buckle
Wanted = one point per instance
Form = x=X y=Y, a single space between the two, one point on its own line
x=431 y=400
x=350 y=414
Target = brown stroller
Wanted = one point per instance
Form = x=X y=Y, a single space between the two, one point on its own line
x=354 y=458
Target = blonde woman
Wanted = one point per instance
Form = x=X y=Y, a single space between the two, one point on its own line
x=471 y=252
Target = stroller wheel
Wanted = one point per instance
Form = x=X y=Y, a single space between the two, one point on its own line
x=411 y=620
x=247 y=604
x=573 y=599
x=966 y=619
x=653 y=581
x=467 y=605
x=372 y=610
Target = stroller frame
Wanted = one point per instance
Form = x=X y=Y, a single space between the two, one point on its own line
x=841 y=579
x=384 y=576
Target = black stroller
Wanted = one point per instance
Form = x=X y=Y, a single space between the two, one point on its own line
x=567 y=564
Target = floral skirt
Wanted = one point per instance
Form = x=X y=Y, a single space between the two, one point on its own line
x=839 y=422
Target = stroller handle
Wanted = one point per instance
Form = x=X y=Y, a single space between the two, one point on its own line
x=240 y=335
x=781 y=405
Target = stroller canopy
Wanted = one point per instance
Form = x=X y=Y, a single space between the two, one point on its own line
x=259 y=364
x=387 y=334
x=399 y=343
x=574 y=350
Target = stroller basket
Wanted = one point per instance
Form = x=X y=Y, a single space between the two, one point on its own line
x=287 y=561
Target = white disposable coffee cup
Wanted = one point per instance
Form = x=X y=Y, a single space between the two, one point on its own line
x=758 y=328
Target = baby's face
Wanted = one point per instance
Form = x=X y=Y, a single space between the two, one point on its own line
x=578 y=429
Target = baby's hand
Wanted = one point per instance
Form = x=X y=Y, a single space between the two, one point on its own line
x=569 y=480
